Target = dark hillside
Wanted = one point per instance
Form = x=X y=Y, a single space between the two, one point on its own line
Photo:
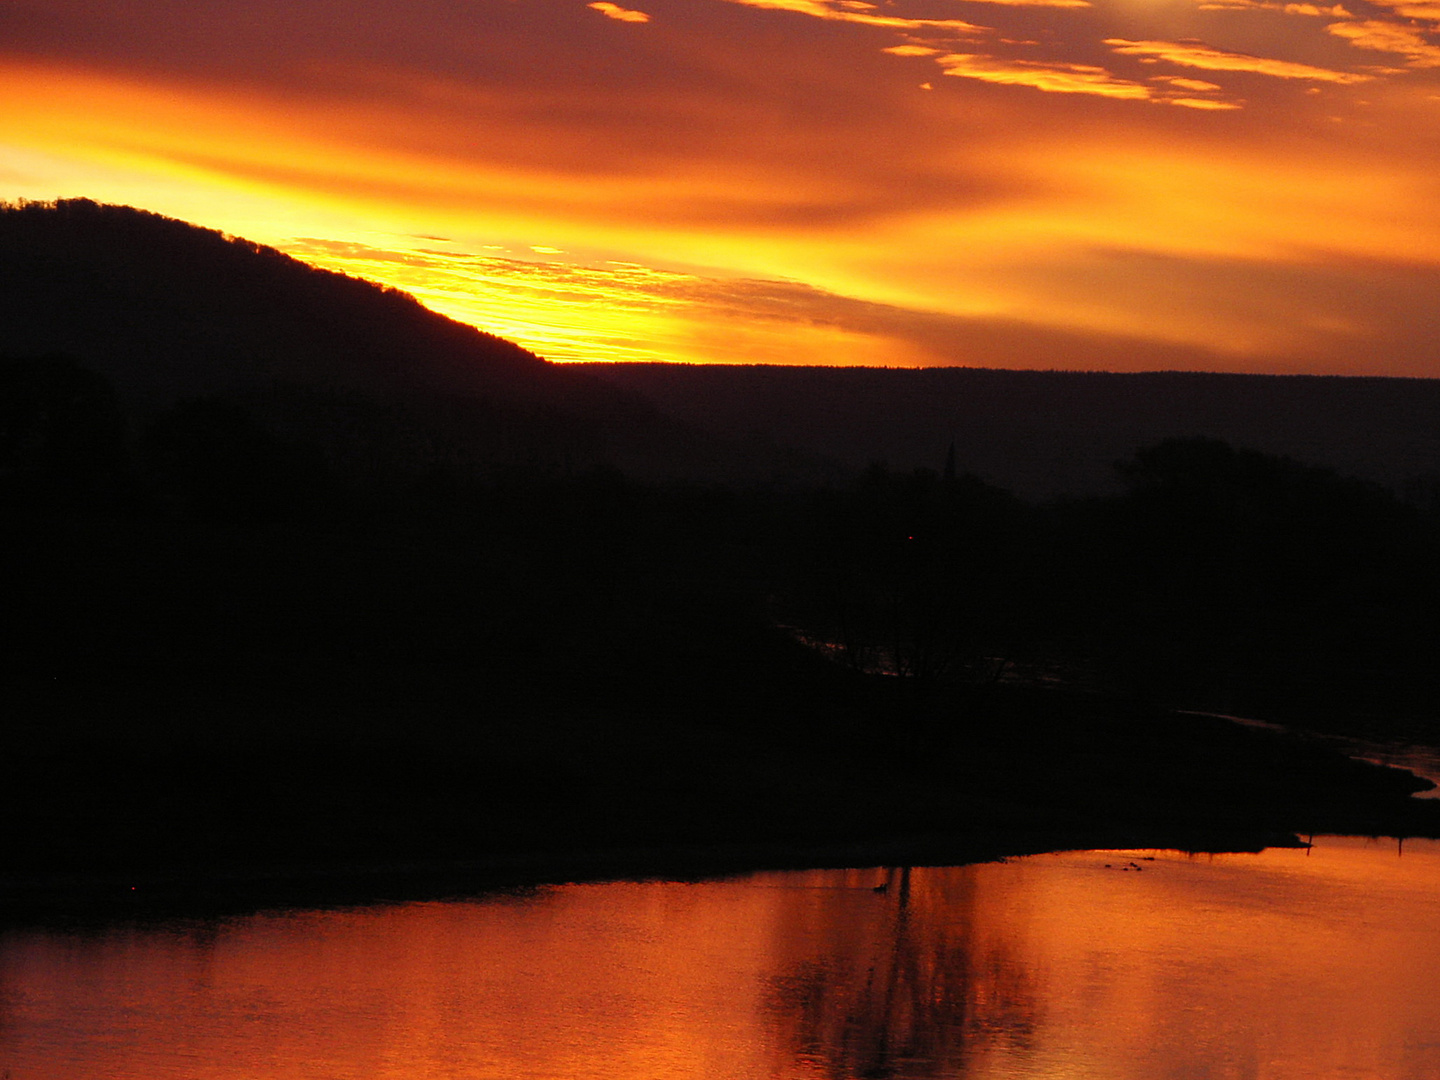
x=168 y=312
x=1047 y=433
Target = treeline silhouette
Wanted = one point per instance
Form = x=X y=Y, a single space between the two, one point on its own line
x=1221 y=578
x=219 y=648
x=1048 y=434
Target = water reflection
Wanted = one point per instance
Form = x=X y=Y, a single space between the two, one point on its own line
x=906 y=994
x=1094 y=964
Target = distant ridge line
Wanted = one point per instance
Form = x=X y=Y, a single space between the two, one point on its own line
x=1054 y=433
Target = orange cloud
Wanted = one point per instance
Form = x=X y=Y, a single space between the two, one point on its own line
x=1185 y=84
x=1196 y=55
x=1053 y=77
x=1038 y=3
x=819 y=9
x=614 y=11
x=856 y=11
x=1379 y=36
x=911 y=50
x=704 y=191
x=1426 y=12
x=1312 y=10
x=1060 y=78
x=1201 y=103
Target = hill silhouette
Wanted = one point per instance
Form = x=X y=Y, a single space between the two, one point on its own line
x=168 y=312
x=1042 y=434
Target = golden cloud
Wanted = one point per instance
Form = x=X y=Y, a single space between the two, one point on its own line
x=1198 y=85
x=1380 y=36
x=1196 y=55
x=855 y=11
x=1061 y=78
x=615 y=11
x=1336 y=11
x=819 y=9
x=1201 y=103
x=911 y=50
x=1426 y=12
x=1052 y=77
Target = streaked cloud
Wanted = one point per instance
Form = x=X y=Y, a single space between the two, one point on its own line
x=619 y=311
x=1381 y=36
x=1199 y=85
x=912 y=50
x=1425 y=12
x=1336 y=11
x=615 y=11
x=1198 y=55
x=1055 y=78
x=1201 y=103
x=650 y=314
x=837 y=12
x=1060 y=78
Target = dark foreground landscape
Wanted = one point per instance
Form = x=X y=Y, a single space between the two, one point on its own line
x=308 y=590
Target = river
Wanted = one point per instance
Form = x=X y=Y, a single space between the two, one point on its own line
x=1289 y=963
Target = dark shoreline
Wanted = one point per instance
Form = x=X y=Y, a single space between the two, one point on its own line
x=219 y=890
x=1051 y=771
x=61 y=899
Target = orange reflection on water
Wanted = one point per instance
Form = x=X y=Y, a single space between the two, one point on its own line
x=1112 y=964
x=1281 y=965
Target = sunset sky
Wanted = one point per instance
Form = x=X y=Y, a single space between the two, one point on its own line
x=1247 y=185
